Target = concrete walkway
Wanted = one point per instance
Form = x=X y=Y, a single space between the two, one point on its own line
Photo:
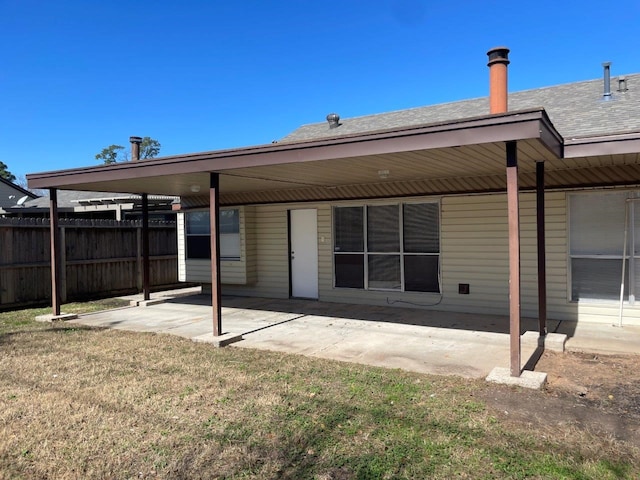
x=417 y=340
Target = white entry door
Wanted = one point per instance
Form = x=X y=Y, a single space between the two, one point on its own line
x=304 y=253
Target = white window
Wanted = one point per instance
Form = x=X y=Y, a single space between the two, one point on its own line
x=387 y=247
x=199 y=234
x=597 y=237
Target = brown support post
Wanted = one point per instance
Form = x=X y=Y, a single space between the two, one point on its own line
x=55 y=253
x=139 y=283
x=62 y=262
x=214 y=216
x=542 y=253
x=514 y=256
x=146 y=283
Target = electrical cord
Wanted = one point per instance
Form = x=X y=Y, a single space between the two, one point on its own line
x=416 y=304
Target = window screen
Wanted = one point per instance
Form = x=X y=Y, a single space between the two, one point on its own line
x=349 y=271
x=384 y=271
x=421 y=228
x=348 y=227
x=383 y=233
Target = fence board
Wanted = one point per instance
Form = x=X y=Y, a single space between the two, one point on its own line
x=101 y=259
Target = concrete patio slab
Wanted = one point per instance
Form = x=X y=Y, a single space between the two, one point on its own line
x=220 y=340
x=603 y=338
x=56 y=318
x=413 y=340
x=415 y=348
x=436 y=342
x=554 y=342
x=147 y=303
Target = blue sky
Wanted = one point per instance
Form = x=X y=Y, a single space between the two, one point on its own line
x=77 y=76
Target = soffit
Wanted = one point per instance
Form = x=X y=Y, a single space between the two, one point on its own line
x=611 y=175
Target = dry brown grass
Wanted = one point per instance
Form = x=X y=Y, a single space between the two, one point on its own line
x=88 y=403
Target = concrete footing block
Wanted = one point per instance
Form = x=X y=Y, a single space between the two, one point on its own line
x=527 y=379
x=219 y=341
x=56 y=318
x=551 y=341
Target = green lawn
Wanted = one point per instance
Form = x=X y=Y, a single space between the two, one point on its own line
x=89 y=403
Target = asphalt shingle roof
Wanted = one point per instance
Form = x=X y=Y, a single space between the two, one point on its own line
x=66 y=199
x=10 y=193
x=576 y=110
x=72 y=198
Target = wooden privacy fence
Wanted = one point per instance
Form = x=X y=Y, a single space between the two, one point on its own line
x=98 y=258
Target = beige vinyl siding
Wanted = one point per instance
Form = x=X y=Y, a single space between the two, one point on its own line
x=325 y=253
x=199 y=271
x=248 y=227
x=558 y=306
x=474 y=250
x=474 y=241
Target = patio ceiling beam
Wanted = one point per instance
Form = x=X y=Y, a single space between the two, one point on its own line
x=214 y=218
x=514 y=257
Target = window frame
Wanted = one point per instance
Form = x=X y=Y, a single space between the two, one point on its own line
x=227 y=258
x=401 y=254
x=631 y=256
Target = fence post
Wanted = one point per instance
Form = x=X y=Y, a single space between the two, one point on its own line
x=7 y=287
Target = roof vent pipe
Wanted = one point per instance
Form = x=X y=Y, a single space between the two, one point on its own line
x=498 y=61
x=135 y=148
x=334 y=120
x=622 y=84
x=607 y=81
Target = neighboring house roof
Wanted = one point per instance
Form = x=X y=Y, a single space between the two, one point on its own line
x=575 y=109
x=71 y=200
x=10 y=193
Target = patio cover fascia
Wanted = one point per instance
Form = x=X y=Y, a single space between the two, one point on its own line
x=175 y=176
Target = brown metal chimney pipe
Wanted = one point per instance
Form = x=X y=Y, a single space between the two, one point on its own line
x=135 y=148
x=498 y=61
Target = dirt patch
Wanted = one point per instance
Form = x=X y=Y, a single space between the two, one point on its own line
x=596 y=393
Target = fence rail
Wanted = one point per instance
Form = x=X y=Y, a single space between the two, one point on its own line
x=98 y=258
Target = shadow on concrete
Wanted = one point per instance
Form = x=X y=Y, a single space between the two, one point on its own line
x=373 y=313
